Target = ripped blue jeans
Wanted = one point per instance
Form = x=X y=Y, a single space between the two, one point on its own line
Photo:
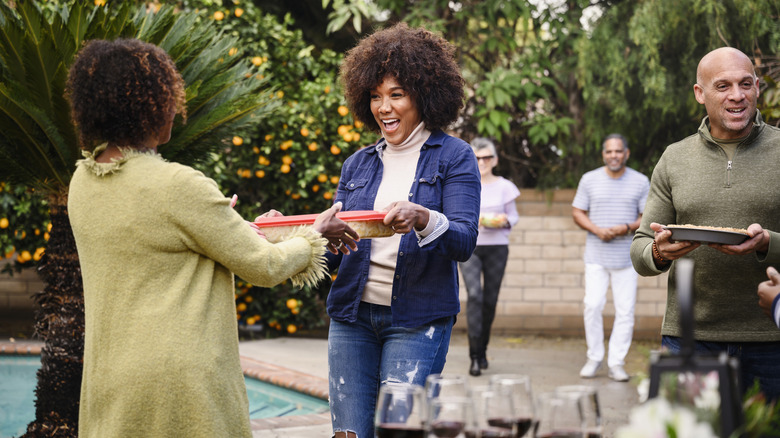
x=364 y=354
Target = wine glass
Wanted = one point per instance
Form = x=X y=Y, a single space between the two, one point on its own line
x=492 y=412
x=450 y=417
x=446 y=385
x=519 y=388
x=400 y=411
x=591 y=411
x=560 y=416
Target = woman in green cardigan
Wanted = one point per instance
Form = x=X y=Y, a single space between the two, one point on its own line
x=158 y=245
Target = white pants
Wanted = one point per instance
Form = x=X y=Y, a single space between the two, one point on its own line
x=597 y=279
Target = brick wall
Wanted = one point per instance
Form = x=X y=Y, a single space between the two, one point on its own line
x=543 y=286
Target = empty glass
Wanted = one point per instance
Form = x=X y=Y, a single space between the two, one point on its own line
x=519 y=388
x=591 y=411
x=560 y=416
x=400 y=411
x=451 y=417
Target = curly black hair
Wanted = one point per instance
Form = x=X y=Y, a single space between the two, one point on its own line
x=123 y=91
x=422 y=62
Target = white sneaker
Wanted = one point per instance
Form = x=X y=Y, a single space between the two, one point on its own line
x=618 y=374
x=590 y=369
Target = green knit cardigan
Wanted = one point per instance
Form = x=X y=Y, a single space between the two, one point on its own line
x=158 y=245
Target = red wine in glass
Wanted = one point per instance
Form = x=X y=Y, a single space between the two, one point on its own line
x=447 y=429
x=562 y=434
x=518 y=426
x=399 y=431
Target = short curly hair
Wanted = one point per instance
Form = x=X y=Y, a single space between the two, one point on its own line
x=423 y=64
x=123 y=91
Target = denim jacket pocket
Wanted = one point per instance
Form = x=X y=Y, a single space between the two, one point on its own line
x=429 y=191
x=355 y=189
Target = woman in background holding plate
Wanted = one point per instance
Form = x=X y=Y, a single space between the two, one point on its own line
x=498 y=213
x=394 y=301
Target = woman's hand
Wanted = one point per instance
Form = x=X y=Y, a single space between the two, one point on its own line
x=403 y=216
x=341 y=237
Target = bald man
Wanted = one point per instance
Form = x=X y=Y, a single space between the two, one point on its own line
x=725 y=175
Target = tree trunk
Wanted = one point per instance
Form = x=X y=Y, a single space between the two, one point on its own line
x=59 y=322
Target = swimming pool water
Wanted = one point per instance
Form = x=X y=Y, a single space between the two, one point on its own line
x=17 y=397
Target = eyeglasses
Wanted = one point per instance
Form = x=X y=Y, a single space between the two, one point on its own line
x=486 y=157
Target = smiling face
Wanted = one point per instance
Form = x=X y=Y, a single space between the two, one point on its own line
x=728 y=88
x=615 y=155
x=395 y=111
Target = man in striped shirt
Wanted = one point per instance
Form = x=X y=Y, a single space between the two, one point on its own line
x=609 y=205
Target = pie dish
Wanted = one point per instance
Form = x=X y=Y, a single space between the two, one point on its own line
x=367 y=223
x=704 y=234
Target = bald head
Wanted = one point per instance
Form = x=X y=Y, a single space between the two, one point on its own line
x=727 y=85
x=722 y=59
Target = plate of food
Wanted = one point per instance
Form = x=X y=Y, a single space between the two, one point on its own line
x=367 y=223
x=707 y=234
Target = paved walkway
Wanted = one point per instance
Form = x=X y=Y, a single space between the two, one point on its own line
x=549 y=362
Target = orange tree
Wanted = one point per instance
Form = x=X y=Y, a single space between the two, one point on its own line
x=290 y=160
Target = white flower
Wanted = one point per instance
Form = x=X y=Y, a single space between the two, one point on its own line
x=653 y=418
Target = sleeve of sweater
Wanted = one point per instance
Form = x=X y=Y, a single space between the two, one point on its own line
x=659 y=208
x=209 y=226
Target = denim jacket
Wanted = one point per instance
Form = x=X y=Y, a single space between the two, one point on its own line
x=425 y=287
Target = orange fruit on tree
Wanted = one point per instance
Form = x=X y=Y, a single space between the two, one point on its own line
x=292 y=329
x=237 y=141
x=343 y=111
x=287 y=159
x=343 y=129
x=327 y=195
x=296 y=196
x=315 y=188
x=292 y=303
x=358 y=124
x=241 y=307
x=238 y=12
x=219 y=15
x=232 y=51
x=4 y=222
x=334 y=179
x=260 y=173
x=285 y=168
x=304 y=132
x=312 y=146
x=295 y=310
x=322 y=177
x=335 y=150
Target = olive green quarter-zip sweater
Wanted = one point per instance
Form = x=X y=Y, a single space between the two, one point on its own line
x=695 y=183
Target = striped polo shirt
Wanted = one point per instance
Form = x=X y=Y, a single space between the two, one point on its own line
x=611 y=201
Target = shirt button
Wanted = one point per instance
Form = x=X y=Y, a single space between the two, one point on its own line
x=410 y=195
x=401 y=253
x=397 y=277
x=395 y=298
x=352 y=185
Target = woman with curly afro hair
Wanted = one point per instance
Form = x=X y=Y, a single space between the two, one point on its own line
x=394 y=302
x=158 y=244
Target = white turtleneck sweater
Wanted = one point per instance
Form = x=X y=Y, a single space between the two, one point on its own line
x=399 y=167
